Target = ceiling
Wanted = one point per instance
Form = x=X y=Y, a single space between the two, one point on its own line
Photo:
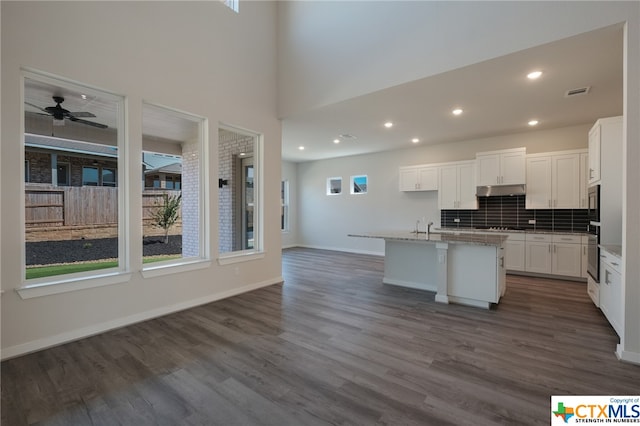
x=496 y=96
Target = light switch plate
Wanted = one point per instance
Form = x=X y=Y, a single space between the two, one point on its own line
x=532 y=221
x=456 y=220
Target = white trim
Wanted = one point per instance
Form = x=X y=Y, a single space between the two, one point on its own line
x=66 y=284
x=158 y=269
x=239 y=256
x=411 y=284
x=345 y=250
x=627 y=356
x=47 y=342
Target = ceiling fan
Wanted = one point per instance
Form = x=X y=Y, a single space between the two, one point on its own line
x=60 y=114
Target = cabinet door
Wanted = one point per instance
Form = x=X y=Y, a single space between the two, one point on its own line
x=408 y=178
x=594 y=154
x=428 y=179
x=605 y=290
x=566 y=259
x=488 y=169
x=584 y=180
x=617 y=303
x=467 y=187
x=584 y=262
x=512 y=167
x=448 y=188
x=515 y=255
x=538 y=257
x=566 y=181
x=538 y=183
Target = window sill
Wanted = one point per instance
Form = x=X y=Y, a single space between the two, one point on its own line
x=174 y=268
x=66 y=285
x=238 y=257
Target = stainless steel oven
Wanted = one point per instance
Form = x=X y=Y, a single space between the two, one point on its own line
x=593 y=252
x=593 y=199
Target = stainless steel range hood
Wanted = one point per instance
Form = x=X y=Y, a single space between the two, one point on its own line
x=497 y=190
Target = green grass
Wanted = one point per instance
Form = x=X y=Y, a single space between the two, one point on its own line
x=72 y=268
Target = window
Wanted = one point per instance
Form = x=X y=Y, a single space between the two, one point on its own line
x=284 y=205
x=66 y=206
x=108 y=177
x=334 y=186
x=90 y=176
x=359 y=184
x=174 y=199
x=232 y=4
x=240 y=191
x=26 y=170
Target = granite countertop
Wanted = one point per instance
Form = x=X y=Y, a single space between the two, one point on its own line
x=434 y=237
x=613 y=249
x=515 y=231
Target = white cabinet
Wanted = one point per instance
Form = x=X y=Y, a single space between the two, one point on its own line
x=611 y=302
x=457 y=188
x=555 y=181
x=555 y=254
x=538 y=182
x=584 y=180
x=585 y=257
x=594 y=154
x=515 y=252
x=418 y=178
x=565 y=180
x=538 y=253
x=505 y=167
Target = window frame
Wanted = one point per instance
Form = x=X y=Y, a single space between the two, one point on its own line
x=352 y=183
x=330 y=180
x=184 y=264
x=56 y=284
x=257 y=252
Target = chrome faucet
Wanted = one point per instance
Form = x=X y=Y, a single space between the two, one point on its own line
x=429 y=227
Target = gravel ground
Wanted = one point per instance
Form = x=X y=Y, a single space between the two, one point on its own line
x=50 y=252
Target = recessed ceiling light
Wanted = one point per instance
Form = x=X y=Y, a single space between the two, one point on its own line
x=301 y=148
x=415 y=140
x=533 y=122
x=457 y=111
x=336 y=141
x=534 y=74
x=388 y=124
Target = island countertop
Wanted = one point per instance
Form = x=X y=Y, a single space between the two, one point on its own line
x=433 y=238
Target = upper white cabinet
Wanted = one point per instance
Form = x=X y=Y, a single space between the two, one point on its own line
x=594 y=154
x=505 y=167
x=556 y=181
x=584 y=180
x=457 y=187
x=418 y=178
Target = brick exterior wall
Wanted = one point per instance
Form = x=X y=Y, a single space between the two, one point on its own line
x=191 y=200
x=230 y=145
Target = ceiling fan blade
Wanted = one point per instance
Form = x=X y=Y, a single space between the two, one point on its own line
x=88 y=123
x=37 y=107
x=82 y=114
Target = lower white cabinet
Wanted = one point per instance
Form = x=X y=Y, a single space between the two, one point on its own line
x=554 y=254
x=611 y=302
x=515 y=252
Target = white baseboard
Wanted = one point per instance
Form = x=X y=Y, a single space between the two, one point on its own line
x=411 y=284
x=69 y=336
x=342 y=249
x=627 y=356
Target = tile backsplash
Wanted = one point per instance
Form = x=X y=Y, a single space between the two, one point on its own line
x=509 y=211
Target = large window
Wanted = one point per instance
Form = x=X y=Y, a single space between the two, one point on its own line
x=74 y=220
x=174 y=193
x=239 y=193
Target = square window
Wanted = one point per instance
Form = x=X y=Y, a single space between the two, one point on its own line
x=359 y=184
x=334 y=186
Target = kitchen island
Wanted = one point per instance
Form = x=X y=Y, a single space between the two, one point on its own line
x=459 y=268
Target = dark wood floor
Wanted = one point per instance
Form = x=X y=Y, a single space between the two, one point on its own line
x=333 y=345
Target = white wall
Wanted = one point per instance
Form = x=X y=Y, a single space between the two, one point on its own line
x=325 y=221
x=290 y=173
x=198 y=57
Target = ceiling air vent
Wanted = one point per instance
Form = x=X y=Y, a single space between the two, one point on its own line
x=348 y=136
x=577 y=92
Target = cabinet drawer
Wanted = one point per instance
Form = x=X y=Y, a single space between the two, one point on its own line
x=568 y=239
x=612 y=261
x=540 y=238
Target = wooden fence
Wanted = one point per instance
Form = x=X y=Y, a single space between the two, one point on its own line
x=49 y=206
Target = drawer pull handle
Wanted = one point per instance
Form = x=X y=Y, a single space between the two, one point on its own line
x=614 y=263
